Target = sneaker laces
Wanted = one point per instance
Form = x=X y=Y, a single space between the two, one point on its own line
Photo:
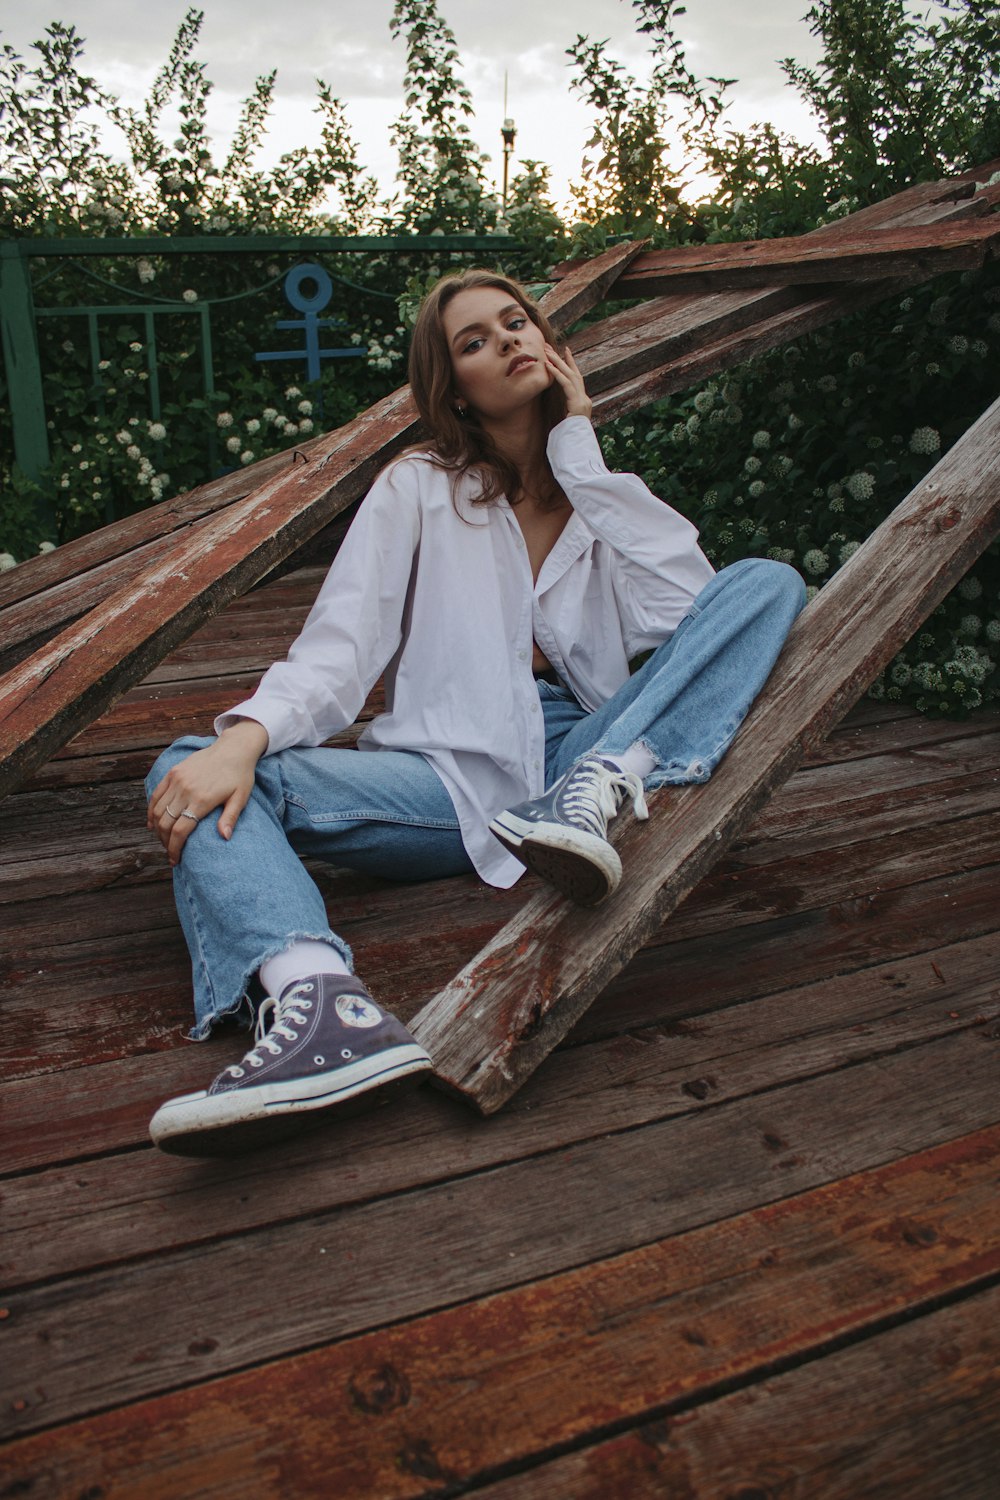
x=595 y=792
x=272 y=1022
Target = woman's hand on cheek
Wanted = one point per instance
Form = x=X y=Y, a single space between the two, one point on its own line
x=566 y=373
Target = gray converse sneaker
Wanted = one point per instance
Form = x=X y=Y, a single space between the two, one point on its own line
x=562 y=835
x=327 y=1043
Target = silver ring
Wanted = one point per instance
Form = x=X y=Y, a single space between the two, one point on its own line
x=186 y=813
x=171 y=813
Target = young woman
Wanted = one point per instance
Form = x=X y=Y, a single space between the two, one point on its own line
x=502 y=580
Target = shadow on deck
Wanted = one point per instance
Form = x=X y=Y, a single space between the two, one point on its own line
x=737 y=1237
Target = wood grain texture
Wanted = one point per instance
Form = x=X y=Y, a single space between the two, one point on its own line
x=463 y=1392
x=87 y=1342
x=116 y=1209
x=502 y=1015
x=587 y=283
x=906 y=251
x=83 y=669
x=914 y=1412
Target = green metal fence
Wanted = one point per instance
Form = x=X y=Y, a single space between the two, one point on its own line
x=19 y=313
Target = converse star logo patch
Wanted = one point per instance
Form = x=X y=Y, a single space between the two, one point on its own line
x=354 y=1011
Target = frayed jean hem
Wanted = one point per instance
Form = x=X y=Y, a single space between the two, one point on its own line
x=241 y=1008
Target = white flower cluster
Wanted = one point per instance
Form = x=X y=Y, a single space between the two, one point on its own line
x=925 y=440
x=816 y=562
x=860 y=486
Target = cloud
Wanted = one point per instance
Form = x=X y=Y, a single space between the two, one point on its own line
x=349 y=46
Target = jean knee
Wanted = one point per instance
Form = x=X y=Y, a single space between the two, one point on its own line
x=173 y=755
x=777 y=582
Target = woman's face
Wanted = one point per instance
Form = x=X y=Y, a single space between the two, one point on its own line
x=497 y=352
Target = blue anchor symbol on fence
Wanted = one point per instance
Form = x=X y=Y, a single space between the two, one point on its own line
x=310 y=305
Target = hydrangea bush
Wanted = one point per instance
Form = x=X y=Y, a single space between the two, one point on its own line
x=800 y=454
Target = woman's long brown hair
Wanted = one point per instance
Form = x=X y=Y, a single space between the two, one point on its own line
x=460 y=444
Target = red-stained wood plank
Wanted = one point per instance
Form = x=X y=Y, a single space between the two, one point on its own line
x=686 y=366
x=83 y=669
x=914 y=1412
x=587 y=283
x=905 y=252
x=78 y=1345
x=122 y=954
x=116 y=1209
x=449 y=1398
x=502 y=1015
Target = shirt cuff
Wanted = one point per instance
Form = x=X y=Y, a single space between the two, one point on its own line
x=573 y=447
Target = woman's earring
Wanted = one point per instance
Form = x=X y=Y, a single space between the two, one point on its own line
x=461 y=410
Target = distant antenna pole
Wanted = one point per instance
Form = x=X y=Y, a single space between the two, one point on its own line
x=508 y=133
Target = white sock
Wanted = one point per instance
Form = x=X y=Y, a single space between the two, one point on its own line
x=298 y=962
x=636 y=758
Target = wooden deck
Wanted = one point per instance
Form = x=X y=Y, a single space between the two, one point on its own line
x=738 y=1236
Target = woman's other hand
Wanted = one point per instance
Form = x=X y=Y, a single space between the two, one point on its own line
x=566 y=373
x=221 y=775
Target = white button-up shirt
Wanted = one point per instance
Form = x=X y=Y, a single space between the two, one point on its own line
x=437 y=593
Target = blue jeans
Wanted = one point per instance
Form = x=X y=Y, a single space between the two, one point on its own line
x=387 y=813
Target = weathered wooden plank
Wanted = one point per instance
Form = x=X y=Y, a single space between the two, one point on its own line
x=914 y=1412
x=908 y=251
x=487 y=1385
x=113 y=950
x=939 y=937
x=587 y=283
x=63 y=686
x=504 y=1012
x=689 y=366
x=116 y=1209
x=75 y=559
x=639 y=339
x=84 y=1343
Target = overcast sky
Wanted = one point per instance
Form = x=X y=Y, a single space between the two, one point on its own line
x=347 y=43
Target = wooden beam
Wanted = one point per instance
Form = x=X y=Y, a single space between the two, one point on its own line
x=77 y=675
x=600 y=1345
x=501 y=1016
x=681 y=371
x=588 y=283
x=908 y=251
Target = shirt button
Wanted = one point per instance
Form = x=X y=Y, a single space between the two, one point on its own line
x=522 y=656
